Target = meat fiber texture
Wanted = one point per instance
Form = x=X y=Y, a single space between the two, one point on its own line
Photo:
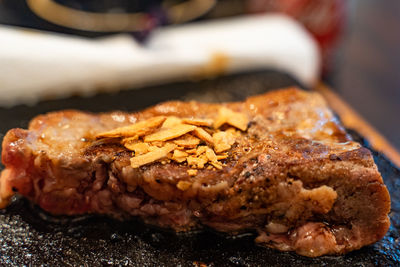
x=294 y=175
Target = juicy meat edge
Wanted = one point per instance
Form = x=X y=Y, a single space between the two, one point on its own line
x=306 y=196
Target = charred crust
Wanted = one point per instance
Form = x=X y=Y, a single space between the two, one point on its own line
x=360 y=154
x=247 y=174
x=334 y=157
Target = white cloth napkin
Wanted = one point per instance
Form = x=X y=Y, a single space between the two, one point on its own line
x=36 y=65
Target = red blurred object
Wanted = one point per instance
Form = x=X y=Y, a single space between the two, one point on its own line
x=324 y=19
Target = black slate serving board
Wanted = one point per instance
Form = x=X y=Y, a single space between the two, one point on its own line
x=29 y=236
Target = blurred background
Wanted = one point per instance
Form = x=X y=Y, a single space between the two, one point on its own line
x=353 y=46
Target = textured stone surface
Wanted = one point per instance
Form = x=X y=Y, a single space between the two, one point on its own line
x=28 y=236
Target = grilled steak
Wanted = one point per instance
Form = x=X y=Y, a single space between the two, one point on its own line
x=279 y=163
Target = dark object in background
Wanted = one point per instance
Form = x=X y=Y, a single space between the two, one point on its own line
x=324 y=19
x=93 y=18
x=28 y=236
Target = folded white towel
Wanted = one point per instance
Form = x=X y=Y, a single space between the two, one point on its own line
x=36 y=65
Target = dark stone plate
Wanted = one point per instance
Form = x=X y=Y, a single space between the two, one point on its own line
x=30 y=237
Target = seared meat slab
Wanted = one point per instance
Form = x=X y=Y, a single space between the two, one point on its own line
x=292 y=174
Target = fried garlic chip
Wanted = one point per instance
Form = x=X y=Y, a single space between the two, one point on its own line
x=187 y=141
x=170 y=133
x=203 y=135
x=179 y=156
x=235 y=119
x=156 y=154
x=223 y=141
x=139 y=148
x=198 y=122
x=197 y=162
x=138 y=129
x=171 y=121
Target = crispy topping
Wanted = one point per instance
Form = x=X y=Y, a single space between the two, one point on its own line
x=158 y=143
x=138 y=148
x=198 y=122
x=170 y=133
x=183 y=185
x=192 y=172
x=187 y=141
x=197 y=162
x=236 y=119
x=179 y=156
x=130 y=140
x=203 y=135
x=191 y=151
x=217 y=165
x=199 y=143
x=138 y=129
x=156 y=154
x=200 y=150
x=222 y=156
x=211 y=155
x=223 y=141
x=171 y=121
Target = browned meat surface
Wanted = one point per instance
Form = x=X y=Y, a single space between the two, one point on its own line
x=293 y=175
